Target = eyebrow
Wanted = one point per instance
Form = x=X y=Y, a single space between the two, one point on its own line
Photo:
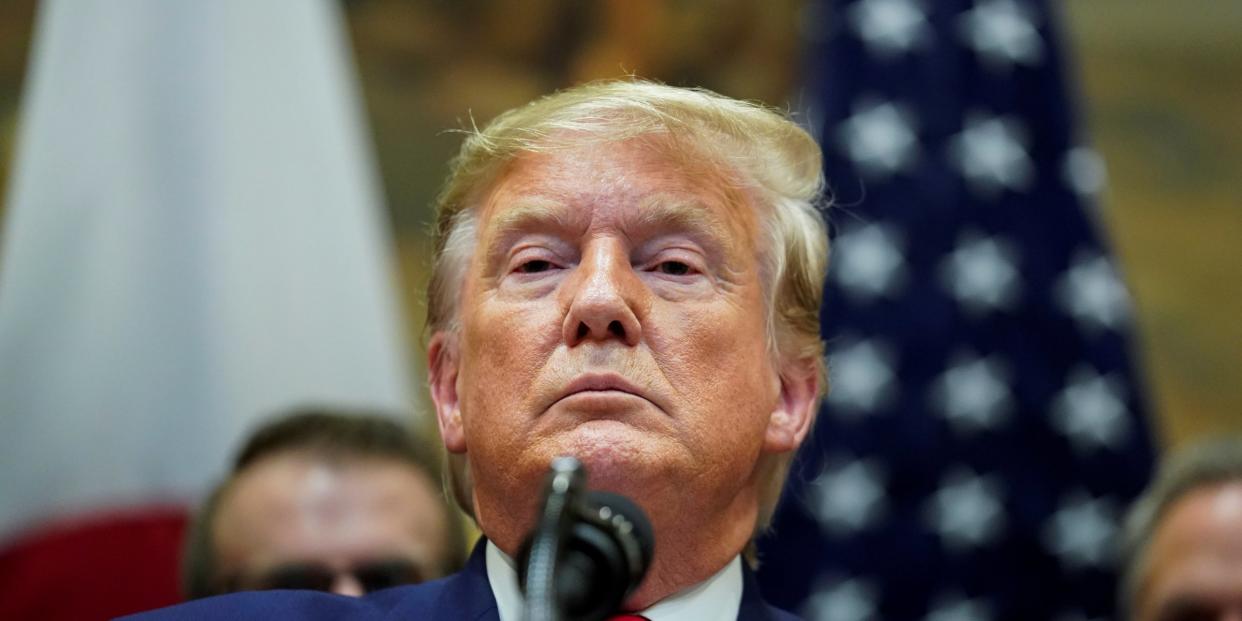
x=530 y=213
x=534 y=212
x=660 y=211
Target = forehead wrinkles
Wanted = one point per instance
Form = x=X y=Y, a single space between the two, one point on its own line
x=646 y=195
x=654 y=214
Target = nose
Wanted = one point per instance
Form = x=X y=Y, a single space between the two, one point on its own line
x=605 y=298
x=346 y=583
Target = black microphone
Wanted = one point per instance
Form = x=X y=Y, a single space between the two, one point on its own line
x=587 y=554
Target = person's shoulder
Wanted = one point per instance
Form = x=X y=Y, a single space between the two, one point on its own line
x=424 y=599
x=305 y=605
x=754 y=607
x=301 y=605
x=776 y=614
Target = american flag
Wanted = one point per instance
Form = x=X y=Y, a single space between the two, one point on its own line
x=986 y=426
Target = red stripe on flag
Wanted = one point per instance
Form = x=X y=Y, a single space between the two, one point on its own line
x=94 y=567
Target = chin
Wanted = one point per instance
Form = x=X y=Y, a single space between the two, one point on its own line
x=607 y=448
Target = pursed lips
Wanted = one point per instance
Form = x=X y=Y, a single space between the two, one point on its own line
x=600 y=383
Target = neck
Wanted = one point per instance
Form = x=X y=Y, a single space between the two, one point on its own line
x=687 y=552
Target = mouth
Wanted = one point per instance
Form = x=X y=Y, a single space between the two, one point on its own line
x=601 y=385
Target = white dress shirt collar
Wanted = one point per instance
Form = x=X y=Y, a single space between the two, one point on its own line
x=718 y=597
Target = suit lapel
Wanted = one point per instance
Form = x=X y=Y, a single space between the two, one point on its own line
x=753 y=608
x=465 y=595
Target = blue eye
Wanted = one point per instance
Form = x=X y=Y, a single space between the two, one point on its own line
x=533 y=267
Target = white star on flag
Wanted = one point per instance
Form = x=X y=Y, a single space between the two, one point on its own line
x=973 y=393
x=980 y=273
x=1084 y=172
x=1002 y=33
x=890 y=27
x=957 y=608
x=991 y=154
x=1091 y=410
x=880 y=137
x=862 y=377
x=966 y=511
x=868 y=261
x=1091 y=292
x=847 y=600
x=849 y=496
x=1081 y=532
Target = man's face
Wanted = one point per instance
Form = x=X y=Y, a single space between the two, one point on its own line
x=1195 y=559
x=613 y=311
x=292 y=519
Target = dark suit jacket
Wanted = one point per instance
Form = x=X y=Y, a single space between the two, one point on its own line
x=466 y=596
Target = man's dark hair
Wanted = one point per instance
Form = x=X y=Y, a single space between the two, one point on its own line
x=331 y=434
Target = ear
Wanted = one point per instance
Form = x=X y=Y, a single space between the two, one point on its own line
x=795 y=411
x=442 y=359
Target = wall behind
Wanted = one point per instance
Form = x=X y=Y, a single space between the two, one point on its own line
x=1163 y=103
x=1163 y=87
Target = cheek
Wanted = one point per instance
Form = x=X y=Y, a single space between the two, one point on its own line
x=505 y=346
x=719 y=360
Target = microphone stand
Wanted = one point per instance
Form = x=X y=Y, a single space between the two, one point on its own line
x=565 y=486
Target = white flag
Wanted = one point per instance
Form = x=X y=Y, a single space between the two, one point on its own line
x=194 y=239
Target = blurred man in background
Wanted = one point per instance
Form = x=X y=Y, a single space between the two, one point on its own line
x=331 y=501
x=1184 y=539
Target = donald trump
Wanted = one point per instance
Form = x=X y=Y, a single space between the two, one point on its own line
x=627 y=273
